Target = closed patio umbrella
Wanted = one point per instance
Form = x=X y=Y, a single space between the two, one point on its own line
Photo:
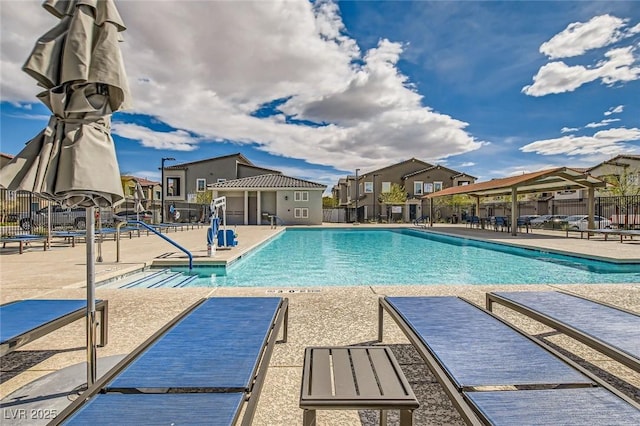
x=73 y=161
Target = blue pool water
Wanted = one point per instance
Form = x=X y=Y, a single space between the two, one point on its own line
x=344 y=257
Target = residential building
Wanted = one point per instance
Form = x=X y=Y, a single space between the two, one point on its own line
x=4 y=159
x=417 y=177
x=256 y=200
x=151 y=190
x=622 y=169
x=182 y=182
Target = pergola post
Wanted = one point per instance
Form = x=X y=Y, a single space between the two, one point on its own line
x=514 y=211
x=591 y=206
x=431 y=212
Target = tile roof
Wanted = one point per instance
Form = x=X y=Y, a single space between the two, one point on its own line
x=267 y=181
x=141 y=181
x=240 y=158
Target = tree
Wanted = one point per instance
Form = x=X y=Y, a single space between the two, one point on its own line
x=396 y=195
x=626 y=183
x=204 y=197
x=329 y=202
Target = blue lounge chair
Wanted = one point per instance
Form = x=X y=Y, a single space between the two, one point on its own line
x=205 y=364
x=606 y=328
x=495 y=374
x=23 y=240
x=69 y=236
x=26 y=320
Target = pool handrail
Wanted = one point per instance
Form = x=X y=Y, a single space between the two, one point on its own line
x=153 y=230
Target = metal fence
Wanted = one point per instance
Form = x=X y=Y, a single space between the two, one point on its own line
x=23 y=212
x=615 y=212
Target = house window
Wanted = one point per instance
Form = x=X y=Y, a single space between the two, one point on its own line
x=173 y=187
x=301 y=196
x=201 y=185
x=157 y=196
x=221 y=180
x=368 y=187
x=437 y=186
x=633 y=179
x=386 y=187
x=428 y=187
x=417 y=188
x=301 y=213
x=463 y=183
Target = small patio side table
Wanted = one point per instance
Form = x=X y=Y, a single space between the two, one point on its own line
x=355 y=378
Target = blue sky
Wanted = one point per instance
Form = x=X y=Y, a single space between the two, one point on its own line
x=318 y=89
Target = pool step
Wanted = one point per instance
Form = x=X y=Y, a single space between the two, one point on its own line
x=186 y=281
x=165 y=278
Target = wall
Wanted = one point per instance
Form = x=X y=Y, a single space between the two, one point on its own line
x=286 y=212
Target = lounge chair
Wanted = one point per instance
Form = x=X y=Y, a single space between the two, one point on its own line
x=26 y=320
x=606 y=232
x=495 y=374
x=24 y=240
x=200 y=368
x=606 y=328
x=69 y=236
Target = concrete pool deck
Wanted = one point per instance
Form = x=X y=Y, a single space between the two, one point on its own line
x=318 y=316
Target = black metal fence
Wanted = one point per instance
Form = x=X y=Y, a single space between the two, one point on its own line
x=614 y=212
x=23 y=212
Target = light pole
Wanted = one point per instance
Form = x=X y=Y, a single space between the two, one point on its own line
x=163 y=186
x=357 y=195
x=375 y=201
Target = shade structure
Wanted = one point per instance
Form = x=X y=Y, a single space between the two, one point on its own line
x=73 y=161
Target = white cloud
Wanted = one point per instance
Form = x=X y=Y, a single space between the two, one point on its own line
x=602 y=123
x=558 y=77
x=206 y=66
x=569 y=129
x=620 y=64
x=178 y=140
x=580 y=37
x=615 y=110
x=610 y=141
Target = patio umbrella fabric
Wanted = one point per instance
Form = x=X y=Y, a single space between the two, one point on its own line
x=73 y=161
x=139 y=197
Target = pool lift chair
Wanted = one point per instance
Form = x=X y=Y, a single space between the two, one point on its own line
x=216 y=237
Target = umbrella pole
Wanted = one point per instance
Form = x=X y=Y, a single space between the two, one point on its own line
x=91 y=299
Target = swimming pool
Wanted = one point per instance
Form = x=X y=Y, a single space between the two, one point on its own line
x=346 y=257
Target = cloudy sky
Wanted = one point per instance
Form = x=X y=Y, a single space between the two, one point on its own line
x=318 y=89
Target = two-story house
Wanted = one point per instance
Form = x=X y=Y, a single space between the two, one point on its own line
x=621 y=170
x=416 y=176
x=183 y=181
x=151 y=190
x=254 y=193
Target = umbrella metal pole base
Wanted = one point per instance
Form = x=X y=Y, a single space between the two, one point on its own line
x=91 y=298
